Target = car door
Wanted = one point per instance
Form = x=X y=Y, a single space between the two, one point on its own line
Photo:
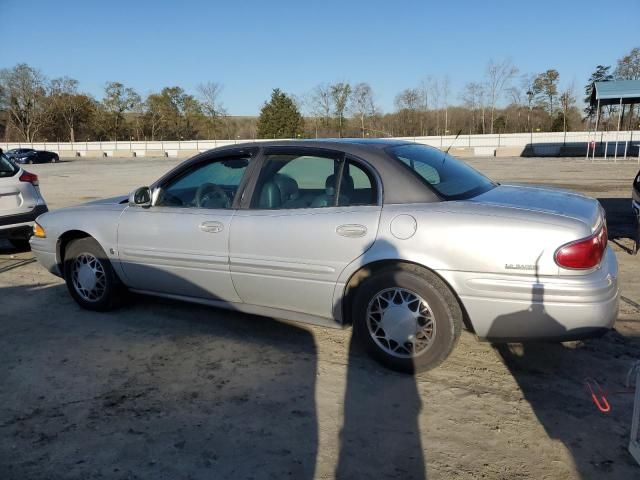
x=179 y=245
x=311 y=214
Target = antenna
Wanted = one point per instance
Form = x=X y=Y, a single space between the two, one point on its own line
x=454 y=141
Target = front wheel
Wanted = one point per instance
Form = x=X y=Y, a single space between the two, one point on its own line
x=636 y=233
x=407 y=318
x=89 y=276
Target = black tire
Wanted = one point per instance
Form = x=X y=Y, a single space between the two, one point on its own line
x=55 y=159
x=636 y=235
x=112 y=292
x=21 y=244
x=446 y=310
x=30 y=162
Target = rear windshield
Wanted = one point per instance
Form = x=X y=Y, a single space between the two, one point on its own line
x=7 y=167
x=449 y=177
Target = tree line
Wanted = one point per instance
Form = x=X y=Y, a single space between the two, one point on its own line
x=502 y=100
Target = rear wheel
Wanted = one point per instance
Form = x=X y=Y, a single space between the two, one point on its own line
x=89 y=276
x=407 y=318
x=55 y=159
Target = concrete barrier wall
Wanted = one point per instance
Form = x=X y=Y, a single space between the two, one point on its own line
x=512 y=144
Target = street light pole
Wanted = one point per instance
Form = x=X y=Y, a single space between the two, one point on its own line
x=530 y=96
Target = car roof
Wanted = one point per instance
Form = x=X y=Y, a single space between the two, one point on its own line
x=400 y=185
x=354 y=146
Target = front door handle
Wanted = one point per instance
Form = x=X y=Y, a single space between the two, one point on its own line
x=211 y=227
x=351 y=230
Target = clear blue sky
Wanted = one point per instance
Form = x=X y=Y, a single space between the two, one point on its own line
x=253 y=46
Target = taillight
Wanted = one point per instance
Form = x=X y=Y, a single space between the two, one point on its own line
x=31 y=178
x=584 y=253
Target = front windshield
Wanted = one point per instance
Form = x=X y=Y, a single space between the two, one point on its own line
x=449 y=177
x=7 y=167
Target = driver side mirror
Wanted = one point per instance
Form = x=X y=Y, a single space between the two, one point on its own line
x=140 y=197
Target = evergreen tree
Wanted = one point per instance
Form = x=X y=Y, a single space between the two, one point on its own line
x=601 y=74
x=279 y=117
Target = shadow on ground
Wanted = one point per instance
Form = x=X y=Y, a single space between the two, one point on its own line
x=621 y=222
x=159 y=389
x=552 y=379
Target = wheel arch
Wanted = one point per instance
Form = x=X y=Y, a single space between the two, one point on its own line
x=370 y=269
x=62 y=243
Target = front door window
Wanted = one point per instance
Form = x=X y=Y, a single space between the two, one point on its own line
x=213 y=185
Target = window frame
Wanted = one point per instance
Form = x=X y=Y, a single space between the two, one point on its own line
x=251 y=191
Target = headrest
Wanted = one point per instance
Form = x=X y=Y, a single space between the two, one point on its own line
x=346 y=187
x=287 y=185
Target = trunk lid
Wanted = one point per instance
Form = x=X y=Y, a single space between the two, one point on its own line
x=545 y=200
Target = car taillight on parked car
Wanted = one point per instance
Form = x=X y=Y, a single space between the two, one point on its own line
x=31 y=178
x=584 y=253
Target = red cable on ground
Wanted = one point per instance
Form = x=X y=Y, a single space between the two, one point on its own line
x=600 y=399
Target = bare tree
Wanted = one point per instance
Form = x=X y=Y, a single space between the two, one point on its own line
x=408 y=103
x=138 y=109
x=209 y=96
x=498 y=75
x=434 y=88
x=322 y=102
x=362 y=103
x=546 y=85
x=445 y=97
x=340 y=94
x=628 y=68
x=567 y=101
x=23 y=94
x=118 y=99
x=155 y=115
x=408 y=99
x=424 y=105
x=66 y=102
x=472 y=98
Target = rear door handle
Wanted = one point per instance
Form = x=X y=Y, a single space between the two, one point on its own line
x=211 y=227
x=351 y=230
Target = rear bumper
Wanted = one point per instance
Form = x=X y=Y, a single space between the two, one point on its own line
x=11 y=223
x=521 y=308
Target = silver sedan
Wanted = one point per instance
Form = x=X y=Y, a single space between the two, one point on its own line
x=402 y=241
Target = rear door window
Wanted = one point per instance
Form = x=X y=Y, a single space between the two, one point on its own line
x=289 y=181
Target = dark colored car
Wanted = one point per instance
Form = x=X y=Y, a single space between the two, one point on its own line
x=635 y=204
x=29 y=155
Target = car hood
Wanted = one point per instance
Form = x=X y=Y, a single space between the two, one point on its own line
x=109 y=201
x=545 y=200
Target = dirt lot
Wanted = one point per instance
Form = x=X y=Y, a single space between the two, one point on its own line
x=162 y=389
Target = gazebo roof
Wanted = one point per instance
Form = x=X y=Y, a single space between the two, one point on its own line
x=610 y=93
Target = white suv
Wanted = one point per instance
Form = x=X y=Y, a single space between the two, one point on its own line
x=20 y=203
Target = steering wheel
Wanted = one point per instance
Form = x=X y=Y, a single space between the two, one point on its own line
x=208 y=193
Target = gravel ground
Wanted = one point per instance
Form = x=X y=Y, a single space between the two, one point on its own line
x=162 y=389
